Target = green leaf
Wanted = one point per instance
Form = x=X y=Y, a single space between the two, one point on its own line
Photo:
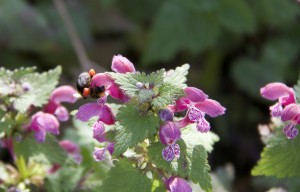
x=9 y=79
x=128 y=81
x=125 y=178
x=167 y=94
x=135 y=128
x=177 y=77
x=47 y=152
x=158 y=186
x=280 y=158
x=193 y=137
x=64 y=180
x=6 y=126
x=41 y=87
x=199 y=171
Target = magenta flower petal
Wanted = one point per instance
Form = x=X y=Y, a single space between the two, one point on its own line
x=48 y=122
x=106 y=115
x=99 y=154
x=166 y=115
x=183 y=122
x=290 y=131
x=116 y=93
x=276 y=110
x=169 y=133
x=203 y=126
x=195 y=95
x=211 y=107
x=99 y=132
x=62 y=113
x=110 y=147
x=102 y=79
x=176 y=184
x=40 y=135
x=289 y=112
x=34 y=126
x=89 y=110
x=182 y=104
x=63 y=94
x=170 y=152
x=121 y=64
x=273 y=91
x=194 y=114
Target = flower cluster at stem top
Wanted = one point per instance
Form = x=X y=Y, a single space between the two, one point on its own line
x=195 y=103
x=286 y=107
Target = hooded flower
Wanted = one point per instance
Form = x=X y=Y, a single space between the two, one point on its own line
x=198 y=105
x=176 y=184
x=43 y=122
x=121 y=64
x=59 y=95
x=278 y=91
x=103 y=111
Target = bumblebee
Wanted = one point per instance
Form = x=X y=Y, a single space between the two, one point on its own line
x=83 y=85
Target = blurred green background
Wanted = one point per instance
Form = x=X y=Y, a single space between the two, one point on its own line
x=234 y=47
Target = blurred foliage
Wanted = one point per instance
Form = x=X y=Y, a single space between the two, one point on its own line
x=234 y=48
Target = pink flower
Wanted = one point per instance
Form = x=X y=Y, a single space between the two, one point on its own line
x=291 y=113
x=59 y=95
x=193 y=95
x=198 y=104
x=43 y=122
x=103 y=111
x=72 y=149
x=121 y=64
x=278 y=91
x=176 y=184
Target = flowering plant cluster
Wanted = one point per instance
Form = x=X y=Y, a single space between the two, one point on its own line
x=146 y=133
x=156 y=137
x=280 y=157
x=31 y=111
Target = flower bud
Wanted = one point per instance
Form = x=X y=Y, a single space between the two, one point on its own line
x=166 y=115
x=176 y=184
x=26 y=87
x=121 y=64
x=169 y=133
x=99 y=132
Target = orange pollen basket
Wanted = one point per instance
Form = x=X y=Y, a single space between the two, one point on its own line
x=92 y=72
x=86 y=92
